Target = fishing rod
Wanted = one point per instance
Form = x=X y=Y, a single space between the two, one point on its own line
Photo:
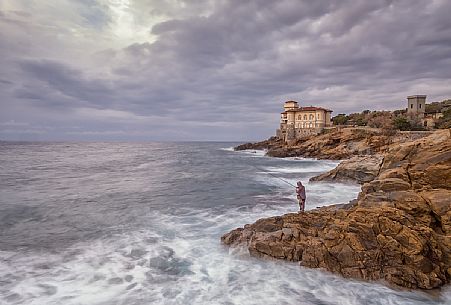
x=261 y=169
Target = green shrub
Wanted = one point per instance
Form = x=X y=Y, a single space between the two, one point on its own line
x=445 y=121
x=406 y=123
x=401 y=123
x=340 y=119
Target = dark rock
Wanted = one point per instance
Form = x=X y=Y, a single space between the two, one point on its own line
x=267 y=144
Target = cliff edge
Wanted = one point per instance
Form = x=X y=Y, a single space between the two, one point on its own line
x=398 y=230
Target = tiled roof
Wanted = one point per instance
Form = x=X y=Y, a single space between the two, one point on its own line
x=310 y=108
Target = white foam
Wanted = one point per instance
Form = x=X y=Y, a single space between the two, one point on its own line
x=251 y=152
x=302 y=168
x=184 y=263
x=254 y=152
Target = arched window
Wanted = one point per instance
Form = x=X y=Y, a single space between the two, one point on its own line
x=311 y=117
x=305 y=117
x=299 y=117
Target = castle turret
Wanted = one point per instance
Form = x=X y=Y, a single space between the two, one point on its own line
x=290 y=105
x=416 y=104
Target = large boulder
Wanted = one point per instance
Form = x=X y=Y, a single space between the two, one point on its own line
x=361 y=169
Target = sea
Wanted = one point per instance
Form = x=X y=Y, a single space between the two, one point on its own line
x=140 y=223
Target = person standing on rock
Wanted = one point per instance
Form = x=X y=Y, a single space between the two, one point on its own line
x=300 y=191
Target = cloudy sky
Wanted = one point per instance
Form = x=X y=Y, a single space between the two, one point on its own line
x=143 y=70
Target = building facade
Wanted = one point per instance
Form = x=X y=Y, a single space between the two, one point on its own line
x=297 y=122
x=430 y=118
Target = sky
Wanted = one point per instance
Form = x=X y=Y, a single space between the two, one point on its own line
x=205 y=70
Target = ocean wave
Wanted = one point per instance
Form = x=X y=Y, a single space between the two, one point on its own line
x=179 y=260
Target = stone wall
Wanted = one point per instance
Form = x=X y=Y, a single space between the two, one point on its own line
x=292 y=133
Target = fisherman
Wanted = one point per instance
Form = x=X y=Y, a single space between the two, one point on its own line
x=300 y=191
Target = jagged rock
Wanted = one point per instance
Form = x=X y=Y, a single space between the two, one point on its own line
x=359 y=168
x=399 y=229
x=267 y=144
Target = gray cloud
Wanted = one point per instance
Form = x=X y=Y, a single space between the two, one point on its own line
x=212 y=69
x=68 y=81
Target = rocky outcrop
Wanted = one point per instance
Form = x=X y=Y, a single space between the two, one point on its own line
x=271 y=143
x=336 y=144
x=361 y=169
x=398 y=230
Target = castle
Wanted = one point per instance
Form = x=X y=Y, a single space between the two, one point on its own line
x=297 y=122
x=416 y=106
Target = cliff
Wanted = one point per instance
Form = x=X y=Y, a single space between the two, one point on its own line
x=398 y=229
x=334 y=144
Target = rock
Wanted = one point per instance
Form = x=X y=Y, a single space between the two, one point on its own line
x=359 y=168
x=337 y=144
x=267 y=144
x=398 y=230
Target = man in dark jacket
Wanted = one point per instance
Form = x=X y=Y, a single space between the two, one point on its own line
x=300 y=191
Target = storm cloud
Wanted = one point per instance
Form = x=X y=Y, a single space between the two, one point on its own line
x=210 y=70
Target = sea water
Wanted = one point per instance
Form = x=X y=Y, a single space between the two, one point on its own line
x=140 y=223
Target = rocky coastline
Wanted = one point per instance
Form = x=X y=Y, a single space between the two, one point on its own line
x=397 y=230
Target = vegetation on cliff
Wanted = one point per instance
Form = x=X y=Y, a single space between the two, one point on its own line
x=396 y=120
x=445 y=121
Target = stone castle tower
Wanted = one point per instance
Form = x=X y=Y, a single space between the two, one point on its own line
x=416 y=105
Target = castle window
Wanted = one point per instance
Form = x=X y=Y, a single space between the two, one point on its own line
x=411 y=106
x=420 y=106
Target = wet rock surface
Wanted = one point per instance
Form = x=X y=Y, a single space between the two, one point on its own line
x=398 y=230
